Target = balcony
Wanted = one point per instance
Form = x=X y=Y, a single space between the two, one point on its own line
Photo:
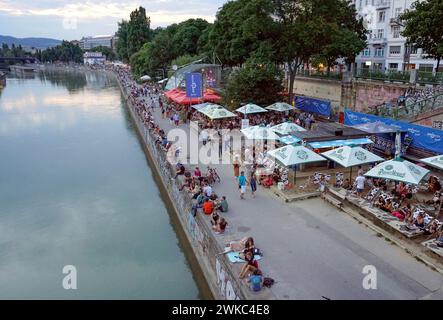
x=377 y=41
x=382 y=4
x=395 y=22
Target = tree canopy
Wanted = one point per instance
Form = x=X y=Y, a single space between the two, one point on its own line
x=65 y=52
x=424 y=27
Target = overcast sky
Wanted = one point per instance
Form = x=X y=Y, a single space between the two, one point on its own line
x=72 y=19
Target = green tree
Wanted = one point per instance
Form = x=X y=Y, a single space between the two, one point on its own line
x=186 y=38
x=139 y=31
x=307 y=28
x=122 y=45
x=240 y=28
x=424 y=27
x=259 y=81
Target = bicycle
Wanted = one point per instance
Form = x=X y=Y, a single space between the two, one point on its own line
x=212 y=175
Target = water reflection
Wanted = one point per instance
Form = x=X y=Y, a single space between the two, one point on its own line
x=71 y=80
x=75 y=189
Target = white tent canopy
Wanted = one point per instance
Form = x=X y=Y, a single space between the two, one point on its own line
x=398 y=170
x=351 y=156
x=436 y=162
x=251 y=108
x=286 y=128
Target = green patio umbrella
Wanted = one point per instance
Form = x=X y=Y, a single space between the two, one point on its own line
x=351 y=156
x=280 y=107
x=260 y=133
x=251 y=108
x=398 y=169
x=436 y=162
x=295 y=155
x=286 y=128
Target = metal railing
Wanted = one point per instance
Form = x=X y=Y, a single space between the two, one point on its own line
x=320 y=74
x=400 y=76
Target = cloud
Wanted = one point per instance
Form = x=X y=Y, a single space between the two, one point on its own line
x=160 y=11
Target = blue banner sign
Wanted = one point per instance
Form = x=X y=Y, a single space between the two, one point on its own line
x=321 y=107
x=422 y=137
x=194 y=87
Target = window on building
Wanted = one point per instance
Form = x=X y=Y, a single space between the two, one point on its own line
x=367 y=52
x=396 y=32
x=397 y=12
x=393 y=50
x=393 y=66
x=381 y=16
x=426 y=67
x=380 y=33
x=379 y=52
x=410 y=49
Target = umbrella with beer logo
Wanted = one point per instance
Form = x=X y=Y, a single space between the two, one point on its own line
x=260 y=133
x=295 y=155
x=286 y=128
x=251 y=108
x=436 y=162
x=398 y=169
x=351 y=156
x=280 y=107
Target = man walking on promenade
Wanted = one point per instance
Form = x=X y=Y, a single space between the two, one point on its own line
x=242 y=184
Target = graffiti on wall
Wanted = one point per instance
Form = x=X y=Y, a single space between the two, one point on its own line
x=224 y=284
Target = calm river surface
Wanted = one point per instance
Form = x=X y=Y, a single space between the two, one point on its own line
x=76 y=189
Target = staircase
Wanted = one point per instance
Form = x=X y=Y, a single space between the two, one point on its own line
x=416 y=103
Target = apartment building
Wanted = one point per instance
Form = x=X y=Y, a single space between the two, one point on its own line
x=87 y=43
x=387 y=49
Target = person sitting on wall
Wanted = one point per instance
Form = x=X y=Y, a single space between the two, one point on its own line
x=250 y=265
x=220 y=227
x=179 y=169
x=208 y=207
x=222 y=205
x=256 y=280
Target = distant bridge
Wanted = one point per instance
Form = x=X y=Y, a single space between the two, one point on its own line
x=18 y=59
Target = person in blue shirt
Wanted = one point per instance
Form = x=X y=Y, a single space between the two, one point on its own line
x=242 y=184
x=256 y=280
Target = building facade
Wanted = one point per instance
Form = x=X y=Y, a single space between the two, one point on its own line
x=87 y=43
x=91 y=58
x=387 y=49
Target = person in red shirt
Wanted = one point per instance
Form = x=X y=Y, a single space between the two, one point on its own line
x=208 y=207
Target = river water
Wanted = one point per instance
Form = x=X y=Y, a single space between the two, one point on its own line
x=76 y=189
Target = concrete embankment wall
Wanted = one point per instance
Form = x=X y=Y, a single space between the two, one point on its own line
x=216 y=269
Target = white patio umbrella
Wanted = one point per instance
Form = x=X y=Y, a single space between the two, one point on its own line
x=260 y=133
x=251 y=108
x=436 y=162
x=280 y=107
x=398 y=169
x=295 y=155
x=286 y=128
x=215 y=111
x=145 y=78
x=351 y=156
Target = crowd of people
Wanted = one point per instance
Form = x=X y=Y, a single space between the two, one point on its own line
x=198 y=184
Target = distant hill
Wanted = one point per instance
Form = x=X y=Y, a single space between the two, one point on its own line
x=39 y=43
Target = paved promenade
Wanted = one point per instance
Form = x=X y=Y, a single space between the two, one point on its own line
x=313 y=250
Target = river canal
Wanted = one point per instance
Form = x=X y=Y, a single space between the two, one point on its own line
x=76 y=189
